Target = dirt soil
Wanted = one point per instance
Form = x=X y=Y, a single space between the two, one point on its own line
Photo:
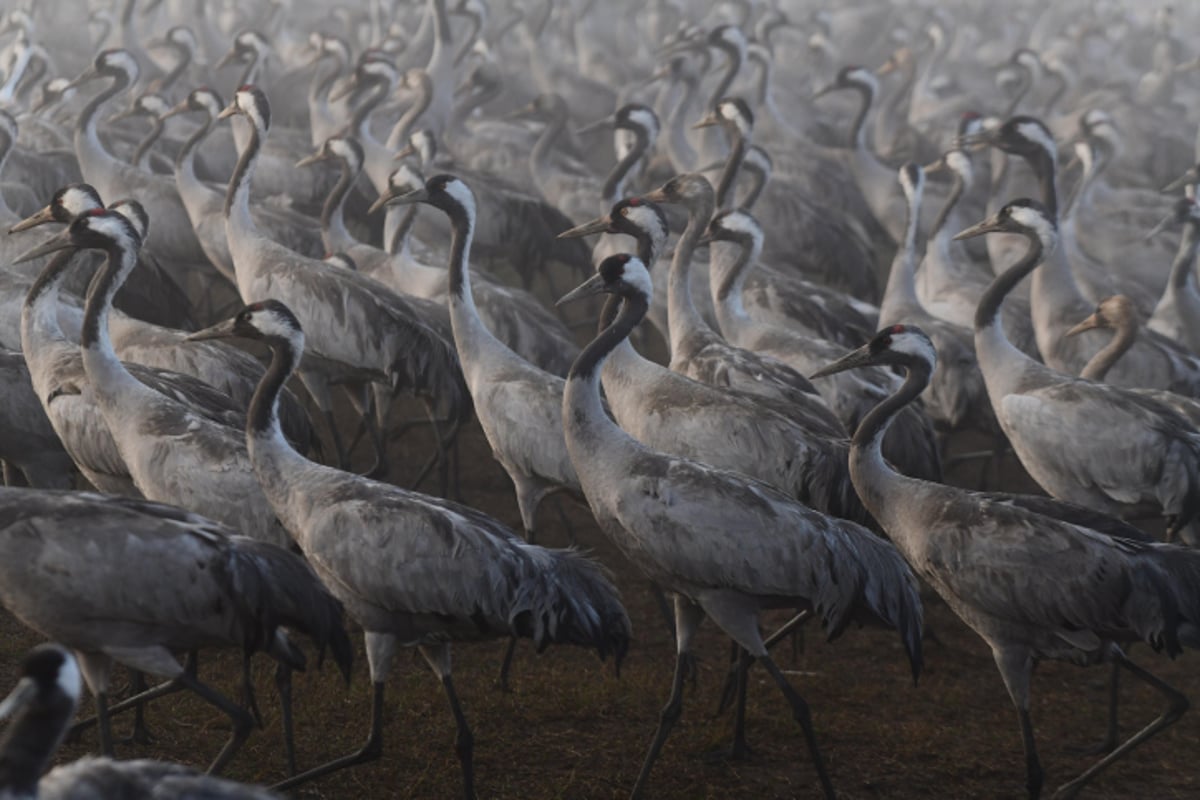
x=571 y=729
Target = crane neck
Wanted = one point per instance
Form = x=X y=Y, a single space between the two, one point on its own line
x=987 y=313
x=185 y=159
x=398 y=243
x=87 y=140
x=262 y=419
x=900 y=296
x=41 y=301
x=108 y=376
x=729 y=264
x=1185 y=257
x=1123 y=337
x=683 y=320
x=732 y=67
x=6 y=146
x=858 y=129
x=143 y=148
x=738 y=145
x=237 y=196
x=30 y=741
x=462 y=225
x=170 y=79
x=956 y=192
x=679 y=147
x=614 y=184
x=871 y=474
x=1045 y=167
x=408 y=120
x=360 y=118
x=334 y=233
x=539 y=157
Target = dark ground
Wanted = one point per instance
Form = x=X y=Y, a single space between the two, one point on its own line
x=570 y=729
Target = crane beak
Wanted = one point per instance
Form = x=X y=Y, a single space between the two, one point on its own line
x=1190 y=176
x=886 y=68
x=227 y=59
x=228 y=111
x=174 y=111
x=311 y=159
x=60 y=242
x=598 y=225
x=987 y=226
x=598 y=125
x=42 y=217
x=657 y=196
x=855 y=358
x=1093 y=321
x=709 y=120
x=593 y=285
x=222 y=330
x=1159 y=228
x=824 y=90
x=395 y=198
x=936 y=167
x=88 y=74
x=404 y=152
x=120 y=115
x=22 y=695
x=522 y=112
x=344 y=90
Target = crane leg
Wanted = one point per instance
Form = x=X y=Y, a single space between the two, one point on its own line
x=1016 y=669
x=370 y=751
x=140 y=733
x=283 y=685
x=239 y=717
x=687 y=618
x=804 y=717
x=731 y=678
x=506 y=665
x=1176 y=705
x=740 y=751
x=106 y=737
x=1112 y=730
x=464 y=742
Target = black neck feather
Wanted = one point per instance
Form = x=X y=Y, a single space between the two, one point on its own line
x=333 y=203
x=50 y=276
x=241 y=174
x=956 y=192
x=875 y=424
x=620 y=172
x=262 y=420
x=87 y=118
x=30 y=741
x=632 y=310
x=737 y=154
x=193 y=142
x=460 y=245
x=989 y=304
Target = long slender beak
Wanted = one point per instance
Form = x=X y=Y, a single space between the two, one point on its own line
x=83 y=77
x=404 y=152
x=886 y=68
x=855 y=358
x=395 y=198
x=344 y=90
x=311 y=159
x=824 y=90
x=936 y=167
x=593 y=285
x=39 y=218
x=709 y=120
x=228 y=111
x=1159 y=228
x=657 y=196
x=60 y=242
x=592 y=127
x=21 y=695
x=126 y=114
x=975 y=141
x=176 y=110
x=1093 y=321
x=227 y=59
x=598 y=225
x=1191 y=176
x=222 y=330
x=978 y=229
x=521 y=113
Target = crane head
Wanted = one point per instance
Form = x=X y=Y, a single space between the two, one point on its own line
x=267 y=320
x=1024 y=216
x=621 y=274
x=98 y=229
x=67 y=203
x=896 y=345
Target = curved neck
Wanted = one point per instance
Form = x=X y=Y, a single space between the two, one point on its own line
x=614 y=184
x=1185 y=257
x=729 y=263
x=185 y=159
x=237 y=196
x=359 y=120
x=679 y=148
x=956 y=193
x=858 y=130
x=41 y=301
x=87 y=118
x=732 y=67
x=987 y=313
x=168 y=80
x=869 y=470
x=143 y=148
x=1099 y=365
x=587 y=365
x=539 y=158
x=334 y=234
x=683 y=319
x=758 y=182
x=901 y=293
x=1045 y=168
x=262 y=419
x=463 y=227
x=737 y=154
x=399 y=241
x=408 y=120
x=323 y=80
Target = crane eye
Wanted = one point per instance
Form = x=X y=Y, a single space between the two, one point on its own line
x=625 y=211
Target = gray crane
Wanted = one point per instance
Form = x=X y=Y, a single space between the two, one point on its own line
x=126 y=580
x=726 y=545
x=41 y=706
x=1059 y=425
x=1032 y=587
x=414 y=570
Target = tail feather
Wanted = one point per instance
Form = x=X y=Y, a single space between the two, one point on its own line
x=570 y=600
x=278 y=588
x=891 y=595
